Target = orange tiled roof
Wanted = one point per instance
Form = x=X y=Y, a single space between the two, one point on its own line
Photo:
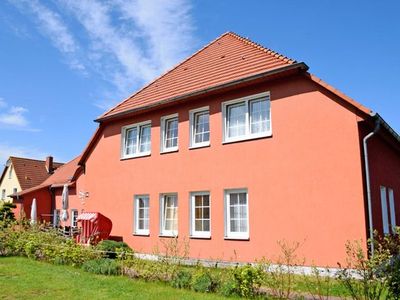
x=63 y=175
x=30 y=172
x=228 y=58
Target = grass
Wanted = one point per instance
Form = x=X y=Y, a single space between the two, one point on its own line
x=23 y=278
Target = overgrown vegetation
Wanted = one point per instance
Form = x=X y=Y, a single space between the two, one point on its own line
x=361 y=278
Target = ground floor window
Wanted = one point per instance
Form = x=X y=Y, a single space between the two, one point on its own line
x=387 y=196
x=56 y=218
x=200 y=214
x=74 y=218
x=141 y=214
x=236 y=214
x=169 y=215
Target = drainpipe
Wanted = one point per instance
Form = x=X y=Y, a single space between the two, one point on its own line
x=367 y=178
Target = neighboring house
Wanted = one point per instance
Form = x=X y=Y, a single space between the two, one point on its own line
x=239 y=147
x=48 y=196
x=23 y=173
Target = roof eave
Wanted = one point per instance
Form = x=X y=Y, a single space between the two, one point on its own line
x=300 y=66
x=385 y=125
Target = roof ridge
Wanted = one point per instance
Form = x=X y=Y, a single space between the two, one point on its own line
x=165 y=73
x=262 y=47
x=18 y=157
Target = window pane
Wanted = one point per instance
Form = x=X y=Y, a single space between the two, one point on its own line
x=131 y=141
x=198 y=200
x=170 y=213
x=234 y=227
x=171 y=133
x=198 y=213
x=206 y=212
x=198 y=225
x=145 y=138
x=201 y=127
x=206 y=200
x=259 y=116
x=206 y=225
x=236 y=120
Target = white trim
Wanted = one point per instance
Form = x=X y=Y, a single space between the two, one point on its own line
x=193 y=232
x=192 y=113
x=56 y=217
x=247 y=135
x=392 y=209
x=136 y=230
x=168 y=233
x=163 y=121
x=73 y=218
x=385 y=217
x=228 y=233
x=138 y=126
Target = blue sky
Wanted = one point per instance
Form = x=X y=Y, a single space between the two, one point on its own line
x=63 y=63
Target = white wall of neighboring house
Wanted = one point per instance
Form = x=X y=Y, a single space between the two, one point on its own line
x=9 y=183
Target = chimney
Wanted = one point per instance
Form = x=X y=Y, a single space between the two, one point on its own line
x=49 y=164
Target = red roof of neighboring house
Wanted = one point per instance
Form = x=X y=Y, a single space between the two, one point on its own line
x=226 y=59
x=63 y=175
x=30 y=172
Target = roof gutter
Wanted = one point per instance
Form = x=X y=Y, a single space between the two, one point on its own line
x=301 y=66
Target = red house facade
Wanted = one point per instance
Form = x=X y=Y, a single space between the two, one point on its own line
x=239 y=147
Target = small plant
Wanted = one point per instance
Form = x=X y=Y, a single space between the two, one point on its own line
x=318 y=285
x=182 y=279
x=6 y=213
x=202 y=281
x=247 y=280
x=113 y=249
x=104 y=266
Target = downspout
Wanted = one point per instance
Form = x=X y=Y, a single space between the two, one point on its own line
x=368 y=183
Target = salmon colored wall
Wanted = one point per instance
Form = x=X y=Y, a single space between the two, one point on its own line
x=304 y=183
x=384 y=163
x=43 y=204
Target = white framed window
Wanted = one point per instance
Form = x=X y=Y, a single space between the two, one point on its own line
x=136 y=140
x=385 y=217
x=3 y=194
x=392 y=209
x=236 y=214
x=74 y=218
x=56 y=218
x=169 y=215
x=169 y=133
x=15 y=190
x=200 y=224
x=247 y=118
x=199 y=127
x=141 y=215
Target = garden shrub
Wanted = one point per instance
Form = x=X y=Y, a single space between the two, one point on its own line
x=203 y=281
x=6 y=213
x=113 y=249
x=228 y=288
x=247 y=280
x=104 y=266
x=182 y=279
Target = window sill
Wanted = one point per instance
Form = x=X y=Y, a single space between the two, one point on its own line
x=165 y=235
x=246 y=138
x=169 y=151
x=199 y=146
x=200 y=237
x=237 y=238
x=136 y=156
x=141 y=234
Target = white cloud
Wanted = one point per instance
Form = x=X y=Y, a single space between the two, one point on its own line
x=14 y=117
x=7 y=150
x=126 y=42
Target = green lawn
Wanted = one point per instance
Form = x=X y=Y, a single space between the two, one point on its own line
x=22 y=278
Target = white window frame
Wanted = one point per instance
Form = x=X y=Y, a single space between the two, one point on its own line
x=136 y=229
x=124 y=130
x=392 y=209
x=192 y=120
x=193 y=232
x=228 y=233
x=168 y=233
x=3 y=194
x=15 y=190
x=73 y=218
x=163 y=148
x=56 y=217
x=248 y=135
x=384 y=208
x=10 y=172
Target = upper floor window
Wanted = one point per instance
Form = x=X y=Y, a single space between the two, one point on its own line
x=141 y=215
x=199 y=127
x=15 y=190
x=169 y=133
x=136 y=140
x=3 y=194
x=236 y=214
x=247 y=118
